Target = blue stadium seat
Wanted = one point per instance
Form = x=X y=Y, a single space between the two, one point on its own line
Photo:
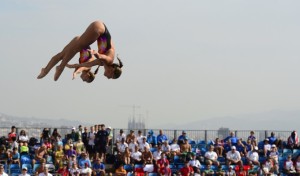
x=128 y=167
x=138 y=166
x=35 y=167
x=179 y=166
x=222 y=160
x=152 y=174
x=153 y=149
x=296 y=152
x=177 y=160
x=25 y=159
x=260 y=145
x=14 y=168
x=173 y=168
x=286 y=152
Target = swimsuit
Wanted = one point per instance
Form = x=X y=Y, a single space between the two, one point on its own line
x=84 y=56
x=104 y=41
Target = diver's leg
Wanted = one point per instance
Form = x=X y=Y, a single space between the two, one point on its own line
x=54 y=60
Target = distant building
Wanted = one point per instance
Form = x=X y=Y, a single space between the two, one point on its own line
x=133 y=123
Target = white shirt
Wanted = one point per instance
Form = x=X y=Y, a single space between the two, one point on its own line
x=267 y=147
x=253 y=156
x=23 y=138
x=211 y=155
x=43 y=174
x=25 y=174
x=4 y=174
x=175 y=147
x=143 y=145
x=120 y=136
x=289 y=164
x=140 y=139
x=86 y=170
x=91 y=136
x=233 y=155
x=194 y=163
x=122 y=147
x=157 y=155
x=136 y=155
x=131 y=146
x=166 y=148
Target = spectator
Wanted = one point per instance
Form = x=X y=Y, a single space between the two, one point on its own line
x=132 y=145
x=48 y=145
x=166 y=148
x=98 y=168
x=232 y=138
x=208 y=171
x=147 y=156
x=187 y=170
x=293 y=141
x=86 y=170
x=45 y=135
x=182 y=137
x=273 y=154
x=80 y=131
x=151 y=139
x=40 y=154
x=120 y=136
x=241 y=171
x=84 y=137
x=91 y=142
x=157 y=153
x=102 y=141
x=136 y=156
x=59 y=154
x=74 y=170
x=12 y=134
x=14 y=143
x=274 y=140
x=79 y=146
x=24 y=171
x=253 y=157
x=220 y=171
x=45 y=173
x=71 y=151
x=72 y=160
x=110 y=135
x=227 y=146
x=211 y=156
x=126 y=156
x=252 y=171
x=162 y=163
x=55 y=137
x=84 y=159
x=218 y=146
x=140 y=137
x=297 y=164
x=175 y=148
x=23 y=138
x=268 y=168
x=195 y=164
x=144 y=145
x=249 y=145
x=121 y=147
x=230 y=171
x=41 y=168
x=267 y=146
x=63 y=171
x=161 y=137
x=233 y=157
x=252 y=138
x=130 y=136
x=288 y=167
x=74 y=136
x=241 y=148
x=15 y=156
x=2 y=173
x=120 y=171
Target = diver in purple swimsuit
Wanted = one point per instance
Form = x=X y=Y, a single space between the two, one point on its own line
x=96 y=31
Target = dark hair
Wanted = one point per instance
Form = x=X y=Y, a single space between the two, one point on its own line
x=118 y=70
x=91 y=76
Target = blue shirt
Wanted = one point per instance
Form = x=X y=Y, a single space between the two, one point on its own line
x=161 y=138
x=82 y=161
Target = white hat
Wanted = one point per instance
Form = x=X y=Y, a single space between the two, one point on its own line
x=255 y=148
x=233 y=147
x=24 y=168
x=73 y=128
x=273 y=145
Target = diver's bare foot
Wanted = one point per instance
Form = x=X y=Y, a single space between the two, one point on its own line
x=58 y=72
x=42 y=74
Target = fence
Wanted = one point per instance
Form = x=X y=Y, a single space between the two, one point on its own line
x=197 y=135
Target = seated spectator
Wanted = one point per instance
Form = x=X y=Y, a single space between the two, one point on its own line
x=241 y=171
x=130 y=136
x=63 y=171
x=253 y=157
x=3 y=155
x=2 y=173
x=211 y=156
x=220 y=171
x=126 y=156
x=166 y=171
x=23 y=138
x=208 y=171
x=227 y=146
x=162 y=163
x=231 y=171
x=161 y=137
x=12 y=134
x=74 y=170
x=41 y=168
x=15 y=157
x=86 y=170
x=74 y=136
x=59 y=154
x=144 y=145
x=79 y=146
x=40 y=154
x=147 y=156
x=136 y=157
x=187 y=170
x=13 y=144
x=166 y=148
x=24 y=171
x=185 y=150
x=274 y=140
x=120 y=171
x=218 y=147
x=151 y=139
x=140 y=137
x=249 y=145
x=157 y=154
x=268 y=168
x=233 y=157
x=252 y=138
x=45 y=172
x=175 y=148
x=232 y=138
x=252 y=171
x=132 y=145
x=121 y=147
x=83 y=160
x=120 y=136
x=195 y=164
x=72 y=160
x=48 y=145
x=273 y=154
x=297 y=164
x=71 y=151
x=241 y=148
x=293 y=141
x=182 y=137
x=98 y=168
x=288 y=166
x=267 y=146
x=45 y=135
x=68 y=145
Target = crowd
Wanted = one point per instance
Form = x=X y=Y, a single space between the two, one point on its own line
x=89 y=151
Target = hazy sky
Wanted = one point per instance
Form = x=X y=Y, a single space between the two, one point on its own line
x=183 y=60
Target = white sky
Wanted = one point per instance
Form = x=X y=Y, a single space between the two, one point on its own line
x=183 y=60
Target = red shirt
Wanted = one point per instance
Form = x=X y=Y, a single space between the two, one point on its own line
x=185 y=171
